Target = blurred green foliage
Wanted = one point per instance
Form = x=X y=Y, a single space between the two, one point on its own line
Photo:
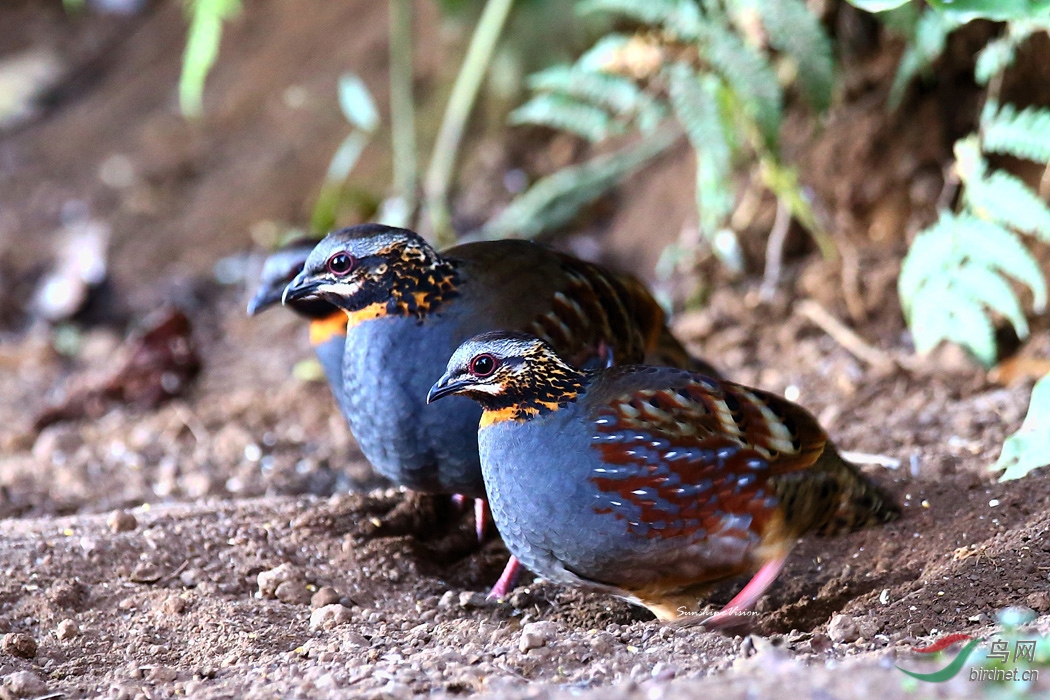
x=714 y=68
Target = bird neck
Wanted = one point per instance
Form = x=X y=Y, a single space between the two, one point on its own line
x=533 y=395
x=324 y=329
x=412 y=287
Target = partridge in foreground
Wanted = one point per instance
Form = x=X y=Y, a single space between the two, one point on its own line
x=327 y=323
x=650 y=483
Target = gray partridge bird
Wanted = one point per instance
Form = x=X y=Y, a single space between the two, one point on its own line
x=409 y=307
x=650 y=483
x=327 y=323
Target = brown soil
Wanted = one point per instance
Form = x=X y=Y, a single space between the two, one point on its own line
x=131 y=546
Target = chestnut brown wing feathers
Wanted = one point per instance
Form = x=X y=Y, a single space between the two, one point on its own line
x=699 y=453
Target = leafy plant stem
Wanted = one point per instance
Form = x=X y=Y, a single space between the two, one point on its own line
x=402 y=103
x=460 y=104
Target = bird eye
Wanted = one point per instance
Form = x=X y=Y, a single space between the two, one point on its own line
x=483 y=365
x=340 y=264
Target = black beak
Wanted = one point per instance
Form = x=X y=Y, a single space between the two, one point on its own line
x=266 y=297
x=445 y=387
x=302 y=287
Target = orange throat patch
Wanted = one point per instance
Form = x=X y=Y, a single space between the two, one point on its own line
x=324 y=329
x=369 y=313
x=518 y=413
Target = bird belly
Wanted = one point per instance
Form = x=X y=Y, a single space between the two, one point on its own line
x=389 y=365
x=555 y=521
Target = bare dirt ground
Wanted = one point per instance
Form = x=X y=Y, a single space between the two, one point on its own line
x=131 y=546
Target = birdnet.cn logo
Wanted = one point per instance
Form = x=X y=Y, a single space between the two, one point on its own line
x=999 y=654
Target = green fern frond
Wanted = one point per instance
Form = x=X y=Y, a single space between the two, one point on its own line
x=749 y=74
x=941 y=313
x=695 y=102
x=954 y=271
x=988 y=288
x=1004 y=198
x=797 y=33
x=605 y=50
x=926 y=46
x=680 y=17
x=616 y=94
x=999 y=248
x=1029 y=447
x=1024 y=134
x=994 y=58
x=565 y=113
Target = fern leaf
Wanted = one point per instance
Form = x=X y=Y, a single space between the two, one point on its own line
x=954 y=271
x=604 y=52
x=567 y=114
x=984 y=286
x=695 y=102
x=971 y=328
x=679 y=17
x=993 y=246
x=614 y=93
x=748 y=73
x=931 y=35
x=941 y=314
x=554 y=200
x=994 y=58
x=1024 y=134
x=797 y=33
x=1004 y=198
x=1029 y=447
x=931 y=253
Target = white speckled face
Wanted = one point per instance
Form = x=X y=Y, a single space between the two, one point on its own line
x=514 y=372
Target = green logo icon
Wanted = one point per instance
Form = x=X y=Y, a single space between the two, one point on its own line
x=956 y=664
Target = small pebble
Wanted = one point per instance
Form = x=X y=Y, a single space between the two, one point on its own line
x=536 y=634
x=1039 y=601
x=67 y=629
x=121 y=521
x=293 y=592
x=19 y=644
x=163 y=674
x=329 y=616
x=22 y=684
x=843 y=629
x=325 y=596
x=472 y=599
x=270 y=580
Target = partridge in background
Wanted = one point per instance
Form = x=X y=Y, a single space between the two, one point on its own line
x=327 y=323
x=650 y=483
x=409 y=307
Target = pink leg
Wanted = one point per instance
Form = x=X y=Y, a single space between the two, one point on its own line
x=506 y=580
x=482 y=517
x=748 y=596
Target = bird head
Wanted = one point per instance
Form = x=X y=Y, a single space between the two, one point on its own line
x=516 y=373
x=278 y=270
x=386 y=269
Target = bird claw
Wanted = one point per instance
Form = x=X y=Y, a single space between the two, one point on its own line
x=506 y=580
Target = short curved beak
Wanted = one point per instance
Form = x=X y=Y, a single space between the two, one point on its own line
x=264 y=299
x=302 y=287
x=444 y=387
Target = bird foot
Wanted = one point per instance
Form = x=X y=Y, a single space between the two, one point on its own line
x=506 y=580
x=737 y=611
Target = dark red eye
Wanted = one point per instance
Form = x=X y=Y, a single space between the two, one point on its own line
x=340 y=264
x=483 y=365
